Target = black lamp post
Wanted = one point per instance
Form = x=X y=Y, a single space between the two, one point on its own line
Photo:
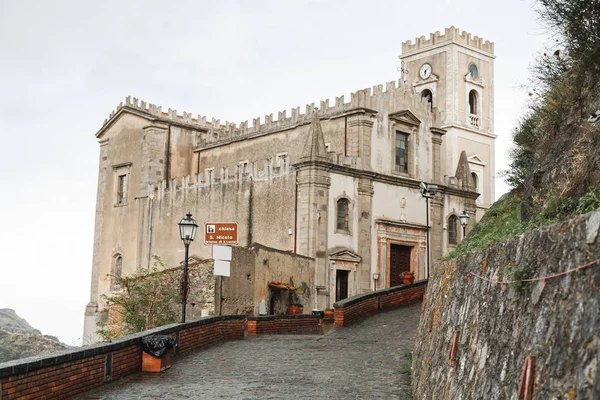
x=428 y=191
x=464 y=221
x=187 y=232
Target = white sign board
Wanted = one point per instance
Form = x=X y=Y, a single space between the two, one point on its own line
x=221 y=253
x=221 y=268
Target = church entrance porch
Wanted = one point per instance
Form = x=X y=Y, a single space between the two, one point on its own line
x=401 y=246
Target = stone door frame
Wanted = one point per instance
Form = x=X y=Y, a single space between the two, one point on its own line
x=345 y=260
x=404 y=234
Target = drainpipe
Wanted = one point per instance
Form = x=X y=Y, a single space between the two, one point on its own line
x=150 y=200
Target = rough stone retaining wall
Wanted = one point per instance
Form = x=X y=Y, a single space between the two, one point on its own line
x=355 y=308
x=495 y=326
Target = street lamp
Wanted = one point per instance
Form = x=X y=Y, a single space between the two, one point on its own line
x=464 y=221
x=187 y=232
x=428 y=191
x=375 y=279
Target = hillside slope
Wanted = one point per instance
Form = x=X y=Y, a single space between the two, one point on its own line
x=18 y=339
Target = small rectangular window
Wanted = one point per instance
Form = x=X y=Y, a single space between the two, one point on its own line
x=401 y=152
x=121 y=183
x=122 y=189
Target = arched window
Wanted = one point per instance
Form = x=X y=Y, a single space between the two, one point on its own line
x=343 y=214
x=473 y=102
x=452 y=229
x=427 y=95
x=116 y=271
x=475 y=181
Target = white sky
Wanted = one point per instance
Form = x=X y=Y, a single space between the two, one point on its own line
x=65 y=65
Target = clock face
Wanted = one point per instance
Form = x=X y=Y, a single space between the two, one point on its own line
x=425 y=71
x=473 y=71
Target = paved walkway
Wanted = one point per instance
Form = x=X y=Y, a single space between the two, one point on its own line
x=357 y=362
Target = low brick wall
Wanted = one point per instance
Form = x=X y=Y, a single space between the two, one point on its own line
x=64 y=374
x=284 y=324
x=356 y=308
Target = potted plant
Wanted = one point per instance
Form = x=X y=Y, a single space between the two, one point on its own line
x=295 y=306
x=408 y=277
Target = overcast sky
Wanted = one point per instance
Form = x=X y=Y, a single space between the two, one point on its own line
x=64 y=65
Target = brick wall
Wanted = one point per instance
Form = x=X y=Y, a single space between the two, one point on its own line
x=55 y=382
x=64 y=374
x=356 y=308
x=284 y=324
x=207 y=334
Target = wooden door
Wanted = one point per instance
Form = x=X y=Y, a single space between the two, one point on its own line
x=399 y=262
x=341 y=285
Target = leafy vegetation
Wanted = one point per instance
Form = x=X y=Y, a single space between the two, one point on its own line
x=406 y=368
x=145 y=301
x=502 y=221
x=555 y=157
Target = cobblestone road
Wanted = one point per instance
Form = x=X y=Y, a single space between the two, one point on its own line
x=357 y=362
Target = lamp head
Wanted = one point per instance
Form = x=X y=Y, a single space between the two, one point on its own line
x=464 y=218
x=187 y=229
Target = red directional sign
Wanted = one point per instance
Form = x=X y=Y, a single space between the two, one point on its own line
x=221 y=233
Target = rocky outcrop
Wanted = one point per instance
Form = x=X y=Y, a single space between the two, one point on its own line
x=18 y=339
x=535 y=297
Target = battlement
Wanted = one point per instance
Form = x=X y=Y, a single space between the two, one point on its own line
x=257 y=171
x=395 y=93
x=451 y=34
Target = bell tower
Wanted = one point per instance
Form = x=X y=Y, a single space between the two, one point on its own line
x=455 y=73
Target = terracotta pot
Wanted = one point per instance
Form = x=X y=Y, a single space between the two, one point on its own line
x=329 y=314
x=294 y=309
x=408 y=278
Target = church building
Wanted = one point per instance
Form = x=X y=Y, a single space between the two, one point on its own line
x=338 y=183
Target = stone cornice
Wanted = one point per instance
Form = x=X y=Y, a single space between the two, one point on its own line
x=405 y=117
x=147 y=116
x=482 y=133
x=361 y=122
x=437 y=131
x=386 y=221
x=384 y=178
x=443 y=44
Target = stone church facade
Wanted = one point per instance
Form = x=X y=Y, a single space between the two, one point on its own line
x=338 y=183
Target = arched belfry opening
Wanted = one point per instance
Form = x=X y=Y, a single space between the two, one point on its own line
x=428 y=96
x=473 y=107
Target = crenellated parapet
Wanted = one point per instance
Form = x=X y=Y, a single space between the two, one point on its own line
x=393 y=94
x=213 y=178
x=451 y=34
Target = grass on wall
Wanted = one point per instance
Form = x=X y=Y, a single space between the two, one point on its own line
x=502 y=221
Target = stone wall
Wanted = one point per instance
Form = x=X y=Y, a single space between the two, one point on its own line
x=253 y=268
x=496 y=326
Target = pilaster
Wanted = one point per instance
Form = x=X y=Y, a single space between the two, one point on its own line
x=91 y=311
x=365 y=233
x=153 y=156
x=360 y=127
x=437 y=227
x=312 y=213
x=436 y=145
